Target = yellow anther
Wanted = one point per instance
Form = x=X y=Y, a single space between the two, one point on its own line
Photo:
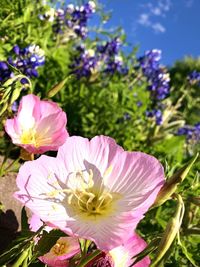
x=59 y=249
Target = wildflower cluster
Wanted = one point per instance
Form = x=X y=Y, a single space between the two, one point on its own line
x=73 y=20
x=155 y=113
x=192 y=133
x=156 y=75
x=109 y=54
x=49 y=15
x=5 y=72
x=158 y=81
x=26 y=60
x=104 y=58
x=85 y=62
x=194 y=78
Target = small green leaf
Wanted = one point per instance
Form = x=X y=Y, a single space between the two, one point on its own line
x=24 y=220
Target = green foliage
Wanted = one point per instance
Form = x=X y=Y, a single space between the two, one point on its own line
x=191 y=103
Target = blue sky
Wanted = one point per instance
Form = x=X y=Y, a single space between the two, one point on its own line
x=170 y=25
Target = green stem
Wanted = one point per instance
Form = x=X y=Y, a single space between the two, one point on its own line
x=21 y=259
x=90 y=257
x=11 y=164
x=170 y=233
x=87 y=244
x=5 y=158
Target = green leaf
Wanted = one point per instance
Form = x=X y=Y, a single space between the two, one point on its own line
x=24 y=220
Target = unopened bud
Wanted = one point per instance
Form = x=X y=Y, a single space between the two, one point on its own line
x=170 y=233
x=53 y=91
x=171 y=184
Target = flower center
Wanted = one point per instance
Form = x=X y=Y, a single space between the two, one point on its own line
x=88 y=200
x=28 y=137
x=91 y=203
x=31 y=137
x=59 y=249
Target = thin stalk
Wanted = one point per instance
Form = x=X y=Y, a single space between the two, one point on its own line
x=21 y=259
x=90 y=257
x=10 y=165
x=5 y=158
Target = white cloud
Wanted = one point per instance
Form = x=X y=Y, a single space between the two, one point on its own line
x=152 y=11
x=156 y=11
x=165 y=5
x=144 y=19
x=158 y=27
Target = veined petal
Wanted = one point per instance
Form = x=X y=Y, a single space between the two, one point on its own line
x=48 y=108
x=13 y=130
x=41 y=191
x=28 y=111
x=138 y=178
x=73 y=153
x=79 y=153
x=44 y=128
x=107 y=233
x=122 y=255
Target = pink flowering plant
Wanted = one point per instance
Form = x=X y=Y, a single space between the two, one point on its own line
x=39 y=125
x=99 y=162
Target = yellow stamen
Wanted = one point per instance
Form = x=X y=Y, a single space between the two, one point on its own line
x=82 y=198
x=59 y=248
x=28 y=137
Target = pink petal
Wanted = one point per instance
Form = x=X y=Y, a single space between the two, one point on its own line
x=28 y=109
x=13 y=130
x=73 y=153
x=36 y=179
x=34 y=223
x=134 y=245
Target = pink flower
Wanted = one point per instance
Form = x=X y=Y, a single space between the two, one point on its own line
x=93 y=189
x=59 y=255
x=39 y=126
x=122 y=256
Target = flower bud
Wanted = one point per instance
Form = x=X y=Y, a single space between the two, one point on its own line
x=171 y=184
x=170 y=233
x=53 y=91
